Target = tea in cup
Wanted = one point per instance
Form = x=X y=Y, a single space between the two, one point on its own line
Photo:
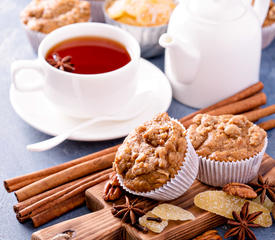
x=87 y=69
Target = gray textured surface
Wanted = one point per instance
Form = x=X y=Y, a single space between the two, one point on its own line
x=15 y=134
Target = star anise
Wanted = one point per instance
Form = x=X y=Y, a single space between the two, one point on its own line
x=128 y=212
x=264 y=188
x=241 y=224
x=63 y=64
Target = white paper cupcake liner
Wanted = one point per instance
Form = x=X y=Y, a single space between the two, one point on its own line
x=268 y=34
x=35 y=37
x=97 y=10
x=218 y=174
x=178 y=185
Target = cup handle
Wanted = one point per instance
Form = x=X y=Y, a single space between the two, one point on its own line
x=19 y=65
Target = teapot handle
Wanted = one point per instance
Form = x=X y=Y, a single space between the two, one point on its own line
x=261 y=8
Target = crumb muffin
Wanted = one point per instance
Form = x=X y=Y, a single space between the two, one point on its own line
x=226 y=138
x=151 y=154
x=47 y=15
x=141 y=12
x=270 y=17
x=268 y=31
x=146 y=20
x=230 y=148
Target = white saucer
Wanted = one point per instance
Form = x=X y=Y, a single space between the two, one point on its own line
x=34 y=108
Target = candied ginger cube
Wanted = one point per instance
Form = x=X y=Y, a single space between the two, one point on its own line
x=223 y=204
x=156 y=227
x=172 y=212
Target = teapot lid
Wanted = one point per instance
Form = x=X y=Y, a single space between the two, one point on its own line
x=216 y=10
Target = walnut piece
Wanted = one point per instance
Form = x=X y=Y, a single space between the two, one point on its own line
x=240 y=190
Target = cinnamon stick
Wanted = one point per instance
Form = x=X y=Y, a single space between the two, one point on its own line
x=255 y=88
x=65 y=176
x=241 y=106
x=58 y=210
x=236 y=107
x=16 y=183
x=21 y=205
x=63 y=195
x=267 y=125
x=22 y=219
x=255 y=115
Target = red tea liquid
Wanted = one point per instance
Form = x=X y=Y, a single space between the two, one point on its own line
x=92 y=55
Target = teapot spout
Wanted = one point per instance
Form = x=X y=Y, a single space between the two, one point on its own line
x=166 y=40
x=183 y=57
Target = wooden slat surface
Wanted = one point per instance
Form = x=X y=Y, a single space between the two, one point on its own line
x=100 y=224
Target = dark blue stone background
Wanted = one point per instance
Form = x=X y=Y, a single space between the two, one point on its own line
x=15 y=134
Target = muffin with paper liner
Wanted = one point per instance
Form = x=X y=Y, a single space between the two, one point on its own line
x=146 y=20
x=268 y=30
x=230 y=148
x=41 y=17
x=157 y=160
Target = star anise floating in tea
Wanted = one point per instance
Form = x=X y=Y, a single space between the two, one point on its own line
x=63 y=64
x=242 y=223
x=129 y=211
x=264 y=188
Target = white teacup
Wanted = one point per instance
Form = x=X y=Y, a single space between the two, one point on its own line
x=83 y=95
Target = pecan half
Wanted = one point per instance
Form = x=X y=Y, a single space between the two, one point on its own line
x=209 y=235
x=112 y=189
x=240 y=190
x=114 y=180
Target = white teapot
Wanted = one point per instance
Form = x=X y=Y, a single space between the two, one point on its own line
x=213 y=49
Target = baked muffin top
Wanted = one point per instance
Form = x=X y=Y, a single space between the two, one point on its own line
x=144 y=13
x=226 y=138
x=270 y=17
x=47 y=15
x=151 y=154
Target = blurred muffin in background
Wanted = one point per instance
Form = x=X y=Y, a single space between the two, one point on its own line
x=146 y=20
x=141 y=12
x=268 y=32
x=270 y=17
x=41 y=17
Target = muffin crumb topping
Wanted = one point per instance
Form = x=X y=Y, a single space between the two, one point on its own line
x=47 y=15
x=226 y=137
x=151 y=154
x=141 y=12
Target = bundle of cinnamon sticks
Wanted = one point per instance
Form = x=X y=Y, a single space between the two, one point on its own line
x=51 y=192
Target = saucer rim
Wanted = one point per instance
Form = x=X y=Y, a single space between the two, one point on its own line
x=82 y=137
